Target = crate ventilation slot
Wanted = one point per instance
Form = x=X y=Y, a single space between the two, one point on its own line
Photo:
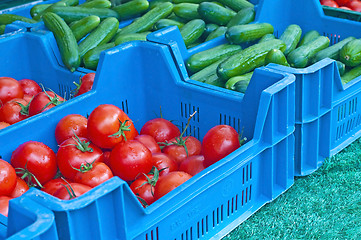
x=191 y=130
x=231 y=121
x=346 y=110
x=246 y=195
x=232 y=205
x=334 y=38
x=64 y=91
x=187 y=235
x=247 y=173
x=152 y=235
x=202 y=227
x=347 y=127
x=125 y=106
x=187 y=109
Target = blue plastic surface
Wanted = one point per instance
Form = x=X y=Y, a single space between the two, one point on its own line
x=211 y=203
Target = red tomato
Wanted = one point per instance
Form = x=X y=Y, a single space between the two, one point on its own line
x=218 y=142
x=330 y=3
x=178 y=152
x=346 y=8
x=342 y=2
x=130 y=158
x=106 y=155
x=192 y=165
x=54 y=184
x=149 y=142
x=35 y=158
x=70 y=124
x=39 y=102
x=143 y=189
x=30 y=87
x=20 y=188
x=354 y=5
x=10 y=89
x=85 y=85
x=107 y=124
x=77 y=154
x=169 y=182
x=160 y=129
x=7 y=178
x=4 y=205
x=4 y=125
x=14 y=111
x=98 y=174
x=76 y=188
x=165 y=162
x=28 y=98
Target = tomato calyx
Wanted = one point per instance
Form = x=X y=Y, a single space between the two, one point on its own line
x=76 y=90
x=24 y=108
x=26 y=174
x=84 y=167
x=242 y=140
x=121 y=132
x=53 y=100
x=69 y=189
x=152 y=181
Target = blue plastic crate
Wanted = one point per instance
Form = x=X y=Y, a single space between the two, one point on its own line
x=233 y=188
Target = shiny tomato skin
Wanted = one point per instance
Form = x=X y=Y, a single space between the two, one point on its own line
x=160 y=129
x=4 y=205
x=4 y=125
x=192 y=165
x=39 y=159
x=149 y=142
x=78 y=188
x=342 y=2
x=20 y=188
x=54 y=184
x=70 y=124
x=345 y=8
x=99 y=173
x=179 y=154
x=106 y=155
x=30 y=87
x=355 y=5
x=39 y=102
x=69 y=156
x=218 y=142
x=7 y=178
x=144 y=190
x=9 y=89
x=10 y=112
x=330 y=3
x=86 y=84
x=165 y=162
x=169 y=182
x=103 y=122
x=129 y=159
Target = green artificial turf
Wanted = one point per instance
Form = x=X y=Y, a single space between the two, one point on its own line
x=323 y=205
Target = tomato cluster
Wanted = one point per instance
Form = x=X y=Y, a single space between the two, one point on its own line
x=25 y=98
x=354 y=5
x=92 y=150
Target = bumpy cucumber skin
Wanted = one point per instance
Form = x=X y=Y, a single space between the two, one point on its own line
x=188 y=11
x=291 y=36
x=213 y=13
x=308 y=37
x=7 y=18
x=352 y=74
x=163 y=23
x=245 y=78
x=350 y=53
x=84 y=26
x=2 y=29
x=71 y=14
x=91 y=58
x=192 y=31
x=131 y=37
x=206 y=72
x=145 y=22
x=38 y=9
x=101 y=35
x=276 y=56
x=188 y=1
x=244 y=16
x=200 y=60
x=236 y=5
x=248 y=33
x=131 y=9
x=65 y=40
x=210 y=27
x=248 y=59
x=341 y=67
x=214 y=80
x=220 y=31
x=268 y=36
x=97 y=4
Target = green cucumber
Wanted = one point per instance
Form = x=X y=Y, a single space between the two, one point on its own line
x=84 y=26
x=210 y=27
x=352 y=74
x=302 y=56
x=239 y=83
x=162 y=23
x=65 y=40
x=188 y=11
x=308 y=37
x=248 y=59
x=101 y=35
x=70 y=2
x=7 y=18
x=206 y=72
x=2 y=29
x=96 y=4
x=220 y=31
x=341 y=67
x=49 y=9
x=196 y=43
x=213 y=13
x=174 y=17
x=268 y=36
x=131 y=37
x=236 y=5
x=350 y=53
x=276 y=56
x=214 y=80
x=91 y=58
x=333 y=51
x=188 y=1
x=192 y=31
x=154 y=3
x=244 y=16
x=131 y=9
x=291 y=36
x=145 y=22
x=248 y=33
x=200 y=60
x=71 y=14
x=38 y=9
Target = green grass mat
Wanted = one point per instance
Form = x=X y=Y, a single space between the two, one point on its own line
x=323 y=205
